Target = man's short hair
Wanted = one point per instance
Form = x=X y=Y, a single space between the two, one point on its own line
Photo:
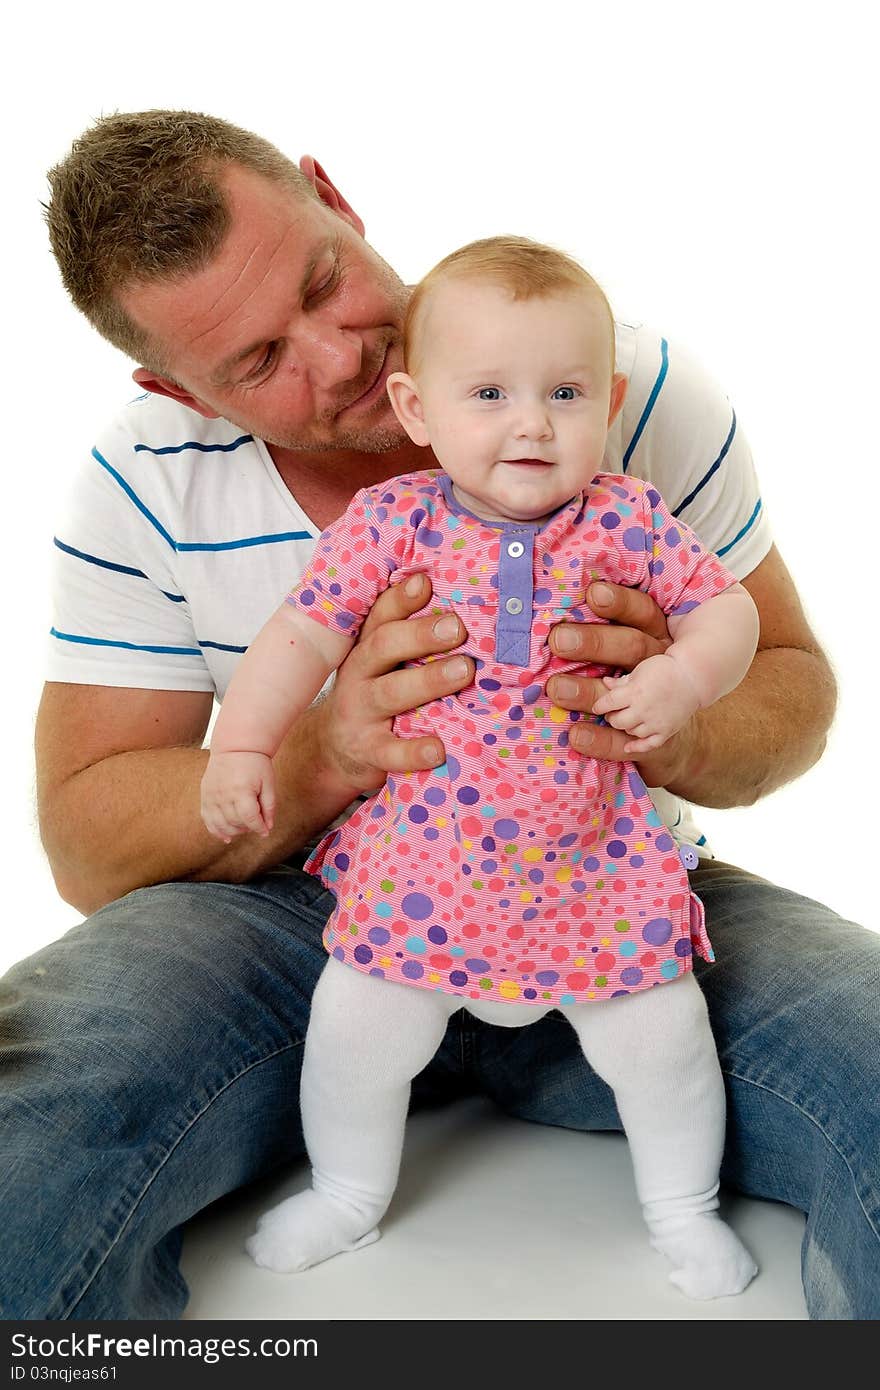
x=527 y=269
x=139 y=199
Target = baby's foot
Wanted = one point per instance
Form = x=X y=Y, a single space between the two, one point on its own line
x=305 y=1230
x=708 y=1260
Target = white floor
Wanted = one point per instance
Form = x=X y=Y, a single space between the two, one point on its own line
x=490 y=1221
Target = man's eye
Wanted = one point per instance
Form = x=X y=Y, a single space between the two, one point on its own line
x=325 y=284
x=265 y=362
x=489 y=393
x=564 y=393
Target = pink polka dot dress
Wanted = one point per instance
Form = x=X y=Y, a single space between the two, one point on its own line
x=519 y=870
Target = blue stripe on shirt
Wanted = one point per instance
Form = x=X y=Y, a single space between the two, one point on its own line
x=194 y=444
x=128 y=646
x=94 y=560
x=714 y=469
x=248 y=540
x=180 y=546
x=109 y=565
x=739 y=535
x=651 y=401
x=221 y=646
x=129 y=492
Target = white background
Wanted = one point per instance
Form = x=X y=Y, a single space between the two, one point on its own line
x=714 y=165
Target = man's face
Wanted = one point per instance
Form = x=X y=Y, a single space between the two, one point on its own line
x=291 y=330
x=515 y=395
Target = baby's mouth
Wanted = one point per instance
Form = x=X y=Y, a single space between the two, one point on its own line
x=529 y=463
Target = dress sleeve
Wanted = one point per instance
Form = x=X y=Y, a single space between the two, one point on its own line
x=682 y=574
x=352 y=564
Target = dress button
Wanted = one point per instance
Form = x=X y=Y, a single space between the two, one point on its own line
x=514 y=605
x=689 y=857
x=515 y=549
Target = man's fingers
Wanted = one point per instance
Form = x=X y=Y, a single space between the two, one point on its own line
x=404 y=658
x=603 y=644
x=603 y=741
x=393 y=754
x=635 y=629
x=391 y=644
x=401 y=691
x=598 y=740
x=398 y=601
x=575 y=692
x=629 y=608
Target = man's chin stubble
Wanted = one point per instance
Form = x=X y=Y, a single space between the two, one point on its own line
x=380 y=440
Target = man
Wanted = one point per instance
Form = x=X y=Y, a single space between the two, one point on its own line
x=158 y=1044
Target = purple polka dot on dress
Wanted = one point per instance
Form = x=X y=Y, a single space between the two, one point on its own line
x=417 y=906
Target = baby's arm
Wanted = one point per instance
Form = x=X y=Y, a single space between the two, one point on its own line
x=712 y=648
x=278 y=677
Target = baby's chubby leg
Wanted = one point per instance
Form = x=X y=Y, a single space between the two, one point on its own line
x=367 y=1039
x=656 y=1051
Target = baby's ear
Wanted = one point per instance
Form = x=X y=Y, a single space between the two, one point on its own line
x=407 y=405
x=619 y=385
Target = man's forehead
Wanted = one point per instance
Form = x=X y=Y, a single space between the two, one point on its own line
x=274 y=232
x=249 y=193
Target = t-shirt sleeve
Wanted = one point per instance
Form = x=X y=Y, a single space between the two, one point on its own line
x=682 y=574
x=119 y=617
x=682 y=434
x=353 y=562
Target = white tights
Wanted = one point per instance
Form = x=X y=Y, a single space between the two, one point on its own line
x=368 y=1038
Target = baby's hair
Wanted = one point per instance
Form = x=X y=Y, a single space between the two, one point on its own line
x=528 y=269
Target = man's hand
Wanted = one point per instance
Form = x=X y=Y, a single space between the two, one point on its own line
x=636 y=630
x=354 y=722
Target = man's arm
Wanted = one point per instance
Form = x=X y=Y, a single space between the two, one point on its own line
x=766 y=732
x=119 y=770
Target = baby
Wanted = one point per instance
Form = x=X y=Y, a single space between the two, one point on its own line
x=519 y=876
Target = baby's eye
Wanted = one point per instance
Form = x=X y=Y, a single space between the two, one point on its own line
x=564 y=393
x=489 y=393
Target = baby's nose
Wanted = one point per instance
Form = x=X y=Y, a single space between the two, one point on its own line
x=534 y=423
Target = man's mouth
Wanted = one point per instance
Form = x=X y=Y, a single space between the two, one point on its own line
x=374 y=391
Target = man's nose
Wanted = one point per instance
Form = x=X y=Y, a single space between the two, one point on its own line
x=328 y=355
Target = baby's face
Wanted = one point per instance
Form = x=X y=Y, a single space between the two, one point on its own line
x=515 y=395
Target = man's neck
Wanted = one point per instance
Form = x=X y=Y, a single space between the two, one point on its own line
x=324 y=483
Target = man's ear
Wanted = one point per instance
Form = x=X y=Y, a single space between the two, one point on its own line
x=329 y=193
x=407 y=405
x=619 y=383
x=164 y=386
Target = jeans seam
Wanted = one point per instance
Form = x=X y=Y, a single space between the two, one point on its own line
x=158 y=1169
x=825 y=1135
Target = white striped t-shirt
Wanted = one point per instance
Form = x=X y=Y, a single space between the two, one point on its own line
x=179 y=538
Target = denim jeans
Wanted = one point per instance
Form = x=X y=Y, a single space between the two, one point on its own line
x=150 y=1063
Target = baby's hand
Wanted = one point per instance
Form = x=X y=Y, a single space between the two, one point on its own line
x=238 y=794
x=652 y=702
